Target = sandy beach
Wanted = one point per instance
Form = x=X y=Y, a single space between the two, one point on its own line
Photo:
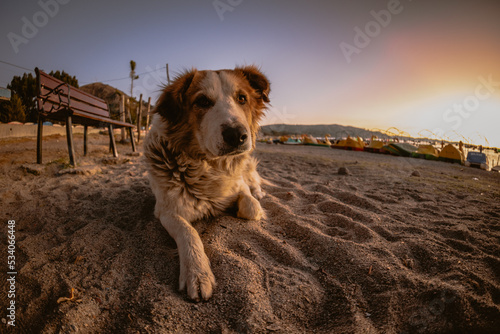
x=393 y=245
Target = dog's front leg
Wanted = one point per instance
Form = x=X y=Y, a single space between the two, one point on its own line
x=253 y=179
x=248 y=206
x=195 y=273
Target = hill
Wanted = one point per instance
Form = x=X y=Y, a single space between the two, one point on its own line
x=319 y=130
x=112 y=96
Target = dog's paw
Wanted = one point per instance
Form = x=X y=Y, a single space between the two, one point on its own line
x=258 y=193
x=198 y=279
x=249 y=208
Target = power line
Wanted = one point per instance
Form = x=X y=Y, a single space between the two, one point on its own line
x=109 y=80
x=118 y=79
x=23 y=68
x=161 y=68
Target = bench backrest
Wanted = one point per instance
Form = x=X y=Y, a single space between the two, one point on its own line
x=55 y=95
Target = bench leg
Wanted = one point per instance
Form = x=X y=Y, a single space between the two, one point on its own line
x=69 y=138
x=39 y=136
x=85 y=129
x=112 y=142
x=131 y=132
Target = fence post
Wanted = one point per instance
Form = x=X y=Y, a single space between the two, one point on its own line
x=122 y=116
x=128 y=111
x=139 y=119
x=147 y=115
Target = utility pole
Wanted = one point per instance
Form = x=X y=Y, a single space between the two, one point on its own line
x=132 y=77
x=168 y=75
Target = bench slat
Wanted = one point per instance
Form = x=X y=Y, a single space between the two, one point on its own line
x=48 y=83
x=75 y=104
x=103 y=119
x=84 y=118
x=74 y=95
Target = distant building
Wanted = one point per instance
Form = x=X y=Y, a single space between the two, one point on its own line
x=5 y=94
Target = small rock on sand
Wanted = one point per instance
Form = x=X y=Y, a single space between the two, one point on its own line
x=343 y=171
x=33 y=168
x=134 y=154
x=114 y=161
x=85 y=170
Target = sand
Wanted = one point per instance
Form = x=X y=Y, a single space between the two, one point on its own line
x=392 y=245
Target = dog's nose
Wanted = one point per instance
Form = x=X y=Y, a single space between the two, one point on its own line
x=234 y=136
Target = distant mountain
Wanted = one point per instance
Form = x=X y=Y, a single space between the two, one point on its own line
x=320 y=130
x=112 y=96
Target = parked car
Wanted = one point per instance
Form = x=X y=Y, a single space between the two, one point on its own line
x=477 y=160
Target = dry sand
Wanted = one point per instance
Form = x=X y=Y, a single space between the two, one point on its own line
x=374 y=251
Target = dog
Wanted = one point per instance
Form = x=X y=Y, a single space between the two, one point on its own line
x=203 y=129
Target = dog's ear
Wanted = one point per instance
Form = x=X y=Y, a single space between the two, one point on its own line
x=257 y=80
x=171 y=104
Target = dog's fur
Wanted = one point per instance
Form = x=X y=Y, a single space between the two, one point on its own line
x=198 y=151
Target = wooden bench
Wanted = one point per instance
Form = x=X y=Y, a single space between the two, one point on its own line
x=57 y=100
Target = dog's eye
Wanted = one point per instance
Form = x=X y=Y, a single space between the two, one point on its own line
x=242 y=99
x=203 y=102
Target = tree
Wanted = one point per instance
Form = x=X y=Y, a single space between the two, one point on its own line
x=25 y=89
x=132 y=77
x=12 y=110
x=63 y=76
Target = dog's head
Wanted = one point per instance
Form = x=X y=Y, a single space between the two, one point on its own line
x=214 y=113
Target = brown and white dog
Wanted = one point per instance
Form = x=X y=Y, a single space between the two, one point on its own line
x=198 y=151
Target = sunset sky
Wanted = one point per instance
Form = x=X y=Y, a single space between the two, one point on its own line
x=419 y=66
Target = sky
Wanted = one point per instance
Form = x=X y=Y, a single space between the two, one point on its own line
x=429 y=68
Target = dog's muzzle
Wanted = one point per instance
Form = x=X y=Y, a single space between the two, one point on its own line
x=235 y=138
